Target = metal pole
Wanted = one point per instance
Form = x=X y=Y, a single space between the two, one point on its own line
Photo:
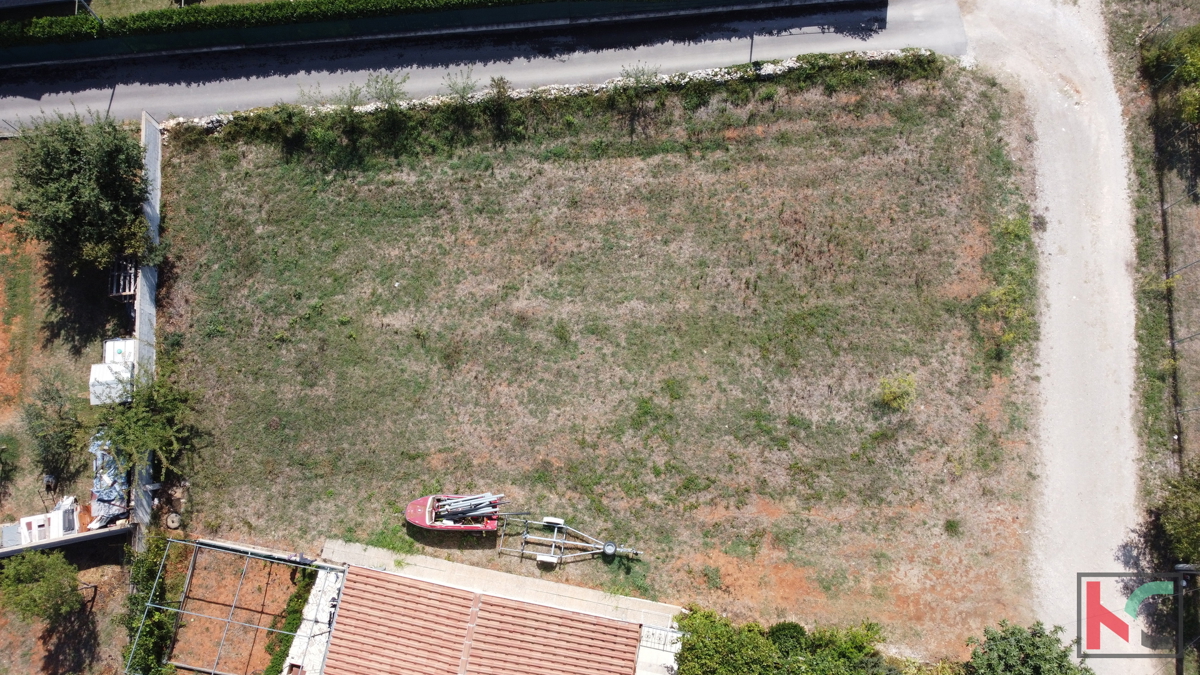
x=217 y=618
x=257 y=556
x=187 y=583
x=133 y=645
x=232 y=609
x=1185 y=196
x=1184 y=412
x=1185 y=339
x=1194 y=262
x=333 y=616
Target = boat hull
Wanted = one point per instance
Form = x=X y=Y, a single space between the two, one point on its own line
x=419 y=512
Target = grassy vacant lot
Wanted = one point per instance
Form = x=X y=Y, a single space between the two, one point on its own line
x=673 y=337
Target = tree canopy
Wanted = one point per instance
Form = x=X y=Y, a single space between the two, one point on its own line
x=79 y=189
x=39 y=585
x=1014 y=650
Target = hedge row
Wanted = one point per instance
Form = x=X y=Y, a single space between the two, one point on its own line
x=59 y=29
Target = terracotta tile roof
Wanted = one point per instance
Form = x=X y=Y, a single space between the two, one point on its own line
x=387 y=623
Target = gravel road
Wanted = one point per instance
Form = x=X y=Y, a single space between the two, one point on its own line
x=1056 y=53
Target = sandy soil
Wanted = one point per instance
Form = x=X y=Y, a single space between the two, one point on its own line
x=1056 y=52
x=261 y=594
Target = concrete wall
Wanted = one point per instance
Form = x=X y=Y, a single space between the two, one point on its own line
x=145 y=309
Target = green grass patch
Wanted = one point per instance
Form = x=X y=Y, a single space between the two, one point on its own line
x=393 y=538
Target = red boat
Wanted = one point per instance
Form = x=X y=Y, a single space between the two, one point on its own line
x=456 y=513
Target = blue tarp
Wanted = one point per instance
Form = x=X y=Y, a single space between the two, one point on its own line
x=110 y=487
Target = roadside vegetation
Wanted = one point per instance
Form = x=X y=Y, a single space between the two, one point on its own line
x=773 y=331
x=713 y=645
x=1156 y=47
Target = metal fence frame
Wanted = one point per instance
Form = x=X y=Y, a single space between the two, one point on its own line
x=179 y=610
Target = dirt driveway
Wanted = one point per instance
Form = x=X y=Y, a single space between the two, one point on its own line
x=1056 y=53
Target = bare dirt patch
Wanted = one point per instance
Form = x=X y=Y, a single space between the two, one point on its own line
x=233 y=590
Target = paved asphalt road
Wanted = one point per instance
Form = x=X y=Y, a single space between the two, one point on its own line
x=201 y=84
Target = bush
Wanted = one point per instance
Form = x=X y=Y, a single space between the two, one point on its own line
x=1180 y=511
x=1010 y=650
x=158 y=627
x=39 y=585
x=712 y=645
x=897 y=393
x=157 y=419
x=1172 y=66
x=279 y=644
x=10 y=457
x=343 y=139
x=1004 y=316
x=57 y=431
x=79 y=189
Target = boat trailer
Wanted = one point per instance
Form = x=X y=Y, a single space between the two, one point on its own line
x=563 y=544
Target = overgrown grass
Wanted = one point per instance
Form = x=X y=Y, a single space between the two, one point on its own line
x=631 y=330
x=18 y=283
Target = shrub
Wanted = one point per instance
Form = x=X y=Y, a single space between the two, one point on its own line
x=155 y=632
x=1010 y=649
x=40 y=585
x=79 y=189
x=344 y=139
x=52 y=421
x=1172 y=65
x=279 y=644
x=897 y=393
x=10 y=456
x=1004 y=316
x=712 y=645
x=1180 y=511
x=790 y=638
x=157 y=419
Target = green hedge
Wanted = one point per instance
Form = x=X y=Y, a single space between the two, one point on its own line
x=59 y=29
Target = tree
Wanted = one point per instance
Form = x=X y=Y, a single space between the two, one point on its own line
x=39 y=585
x=157 y=419
x=51 y=419
x=79 y=189
x=1013 y=650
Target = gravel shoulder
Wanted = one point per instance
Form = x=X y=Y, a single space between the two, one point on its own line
x=1056 y=54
